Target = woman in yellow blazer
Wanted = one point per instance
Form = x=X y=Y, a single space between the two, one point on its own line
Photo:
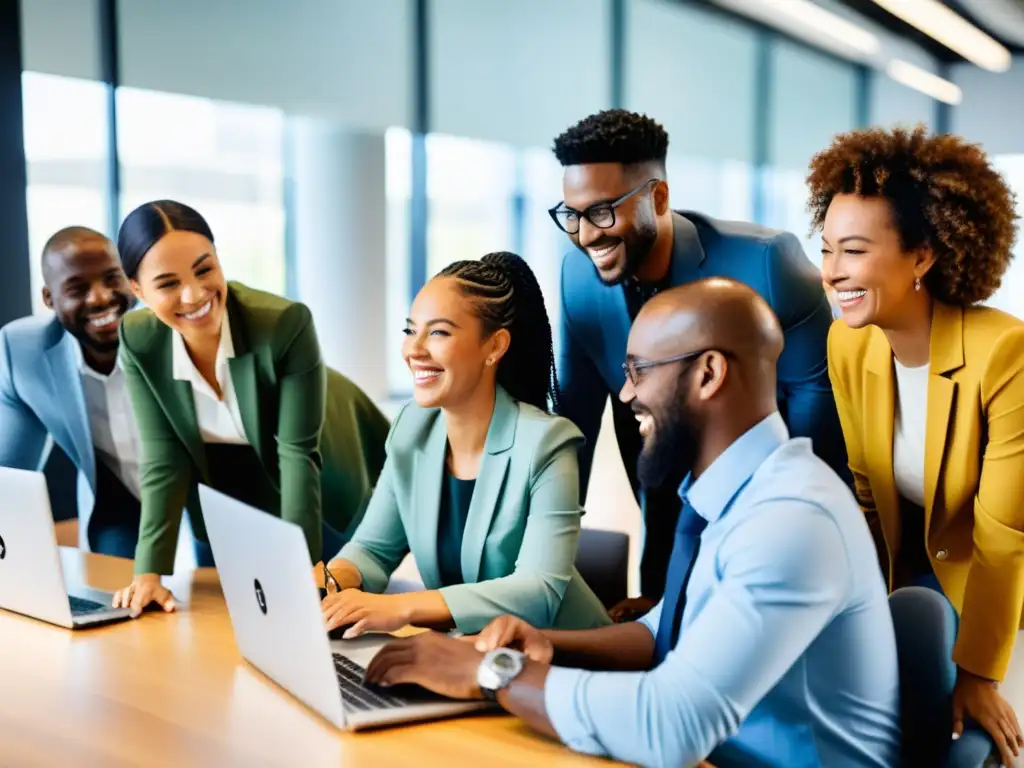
x=481 y=482
x=916 y=231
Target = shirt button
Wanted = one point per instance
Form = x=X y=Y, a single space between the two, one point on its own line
x=941 y=554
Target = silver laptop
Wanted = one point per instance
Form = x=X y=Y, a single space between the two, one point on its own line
x=274 y=604
x=31 y=577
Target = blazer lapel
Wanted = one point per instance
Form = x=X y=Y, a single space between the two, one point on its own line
x=947 y=355
x=616 y=332
x=687 y=252
x=428 y=474
x=65 y=381
x=878 y=430
x=489 y=483
x=175 y=397
x=243 y=374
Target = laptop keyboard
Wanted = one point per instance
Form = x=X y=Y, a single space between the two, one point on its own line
x=80 y=607
x=364 y=698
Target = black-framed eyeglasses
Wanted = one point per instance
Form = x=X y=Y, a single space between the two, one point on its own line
x=601 y=215
x=634 y=367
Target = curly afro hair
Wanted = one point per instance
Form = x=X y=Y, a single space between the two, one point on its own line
x=613 y=136
x=944 y=195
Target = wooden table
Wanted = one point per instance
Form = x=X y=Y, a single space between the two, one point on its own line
x=172 y=690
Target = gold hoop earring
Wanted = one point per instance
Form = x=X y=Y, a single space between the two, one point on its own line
x=917 y=283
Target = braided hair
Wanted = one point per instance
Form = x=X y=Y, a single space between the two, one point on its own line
x=506 y=295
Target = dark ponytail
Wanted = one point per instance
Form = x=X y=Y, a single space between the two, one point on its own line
x=507 y=295
x=146 y=226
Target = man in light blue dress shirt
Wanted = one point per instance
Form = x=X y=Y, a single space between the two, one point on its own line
x=774 y=645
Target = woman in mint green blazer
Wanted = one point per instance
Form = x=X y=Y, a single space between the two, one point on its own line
x=481 y=482
x=230 y=390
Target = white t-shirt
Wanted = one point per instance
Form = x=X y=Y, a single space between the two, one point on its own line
x=909 y=431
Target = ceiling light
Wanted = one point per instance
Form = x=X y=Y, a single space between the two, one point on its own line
x=810 y=22
x=924 y=81
x=953 y=31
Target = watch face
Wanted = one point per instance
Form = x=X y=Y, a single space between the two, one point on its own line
x=504 y=663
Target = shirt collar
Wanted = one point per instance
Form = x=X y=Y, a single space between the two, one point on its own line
x=85 y=368
x=711 y=494
x=182 y=365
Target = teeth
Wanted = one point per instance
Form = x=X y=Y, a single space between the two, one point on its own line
x=849 y=295
x=422 y=376
x=203 y=311
x=599 y=253
x=104 y=320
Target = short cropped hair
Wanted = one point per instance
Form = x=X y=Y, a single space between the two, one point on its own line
x=613 y=136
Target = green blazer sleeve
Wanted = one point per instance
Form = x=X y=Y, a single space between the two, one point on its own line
x=546 y=562
x=379 y=543
x=300 y=422
x=165 y=471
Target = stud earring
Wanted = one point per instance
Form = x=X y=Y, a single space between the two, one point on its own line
x=917 y=283
x=490 y=361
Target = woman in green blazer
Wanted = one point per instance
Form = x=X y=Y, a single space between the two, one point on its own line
x=481 y=482
x=229 y=389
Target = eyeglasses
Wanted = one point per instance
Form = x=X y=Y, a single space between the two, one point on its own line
x=601 y=215
x=633 y=367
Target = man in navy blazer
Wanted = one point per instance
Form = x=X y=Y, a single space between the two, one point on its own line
x=629 y=245
x=60 y=381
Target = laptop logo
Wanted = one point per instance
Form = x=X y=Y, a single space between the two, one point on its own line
x=261 y=599
x=3 y=548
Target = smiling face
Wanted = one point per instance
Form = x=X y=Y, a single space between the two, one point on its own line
x=446 y=347
x=88 y=291
x=864 y=263
x=181 y=281
x=618 y=251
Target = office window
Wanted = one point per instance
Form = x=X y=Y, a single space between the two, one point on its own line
x=223 y=159
x=723 y=189
x=544 y=244
x=1010 y=296
x=398 y=189
x=470 y=188
x=65 y=123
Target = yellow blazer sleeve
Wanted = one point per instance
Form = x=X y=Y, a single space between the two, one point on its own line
x=165 y=470
x=851 y=420
x=991 y=612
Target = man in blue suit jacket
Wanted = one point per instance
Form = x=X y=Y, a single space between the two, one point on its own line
x=629 y=245
x=60 y=380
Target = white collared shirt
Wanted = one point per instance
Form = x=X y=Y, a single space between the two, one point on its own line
x=112 y=424
x=219 y=420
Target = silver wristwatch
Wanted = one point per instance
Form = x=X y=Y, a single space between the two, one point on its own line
x=498 y=669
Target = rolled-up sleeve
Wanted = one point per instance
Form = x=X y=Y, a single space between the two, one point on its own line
x=782 y=580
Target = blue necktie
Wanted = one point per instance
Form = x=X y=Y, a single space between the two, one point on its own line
x=684 y=554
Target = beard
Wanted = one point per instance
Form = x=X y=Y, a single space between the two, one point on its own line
x=671 y=449
x=637 y=244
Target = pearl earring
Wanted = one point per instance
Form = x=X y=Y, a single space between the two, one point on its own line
x=917 y=283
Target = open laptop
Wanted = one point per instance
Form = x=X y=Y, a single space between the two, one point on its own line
x=31 y=577
x=274 y=605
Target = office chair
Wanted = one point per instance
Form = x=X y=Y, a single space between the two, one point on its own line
x=603 y=561
x=926 y=627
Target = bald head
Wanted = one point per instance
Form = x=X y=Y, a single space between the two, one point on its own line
x=715 y=313
x=701 y=362
x=65 y=242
